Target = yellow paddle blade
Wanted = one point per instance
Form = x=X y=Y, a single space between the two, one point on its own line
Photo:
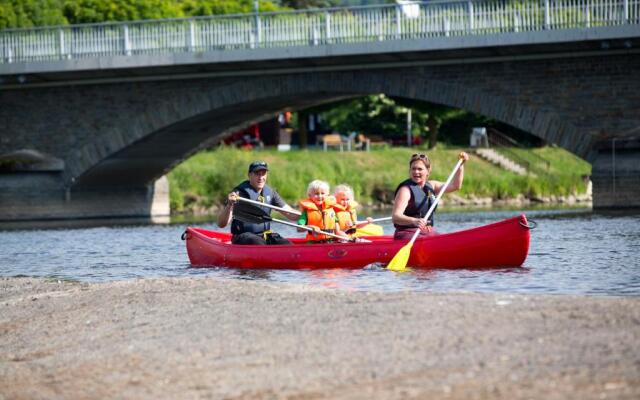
x=370 y=230
x=400 y=260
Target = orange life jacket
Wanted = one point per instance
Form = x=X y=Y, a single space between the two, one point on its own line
x=324 y=218
x=347 y=216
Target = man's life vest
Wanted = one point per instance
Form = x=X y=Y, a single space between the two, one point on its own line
x=248 y=192
x=347 y=216
x=421 y=200
x=324 y=217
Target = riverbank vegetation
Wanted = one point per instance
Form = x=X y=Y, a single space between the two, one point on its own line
x=201 y=183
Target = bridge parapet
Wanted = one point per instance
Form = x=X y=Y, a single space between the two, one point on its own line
x=411 y=20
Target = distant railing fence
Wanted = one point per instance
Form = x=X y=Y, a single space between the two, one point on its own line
x=410 y=20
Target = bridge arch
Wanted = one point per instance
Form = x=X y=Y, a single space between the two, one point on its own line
x=179 y=118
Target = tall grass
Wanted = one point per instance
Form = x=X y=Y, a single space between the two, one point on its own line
x=204 y=180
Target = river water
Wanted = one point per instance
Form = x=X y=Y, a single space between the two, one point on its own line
x=573 y=251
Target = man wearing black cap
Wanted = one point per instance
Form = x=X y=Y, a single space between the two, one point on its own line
x=256 y=189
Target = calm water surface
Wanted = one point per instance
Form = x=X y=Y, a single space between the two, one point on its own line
x=572 y=252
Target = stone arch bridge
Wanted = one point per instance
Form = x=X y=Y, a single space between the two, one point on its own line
x=110 y=131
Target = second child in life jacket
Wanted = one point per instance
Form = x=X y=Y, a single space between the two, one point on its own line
x=345 y=208
x=318 y=213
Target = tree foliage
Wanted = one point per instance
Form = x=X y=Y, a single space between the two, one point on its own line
x=431 y=123
x=301 y=4
x=387 y=117
x=30 y=13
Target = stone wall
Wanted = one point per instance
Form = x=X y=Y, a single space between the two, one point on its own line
x=616 y=174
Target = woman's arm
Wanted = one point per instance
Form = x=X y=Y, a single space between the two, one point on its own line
x=456 y=183
x=399 y=205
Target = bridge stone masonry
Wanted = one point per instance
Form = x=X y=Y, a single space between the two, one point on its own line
x=81 y=141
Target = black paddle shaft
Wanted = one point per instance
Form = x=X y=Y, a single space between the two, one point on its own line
x=251 y=214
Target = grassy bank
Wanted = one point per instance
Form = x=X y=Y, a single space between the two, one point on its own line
x=204 y=180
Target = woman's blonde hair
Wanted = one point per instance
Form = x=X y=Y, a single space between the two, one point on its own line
x=317 y=185
x=421 y=157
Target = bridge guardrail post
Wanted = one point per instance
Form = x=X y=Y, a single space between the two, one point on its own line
x=257 y=27
x=327 y=26
x=587 y=16
x=547 y=15
x=61 y=43
x=398 y=22
x=472 y=22
x=191 y=40
x=516 y=21
x=446 y=26
x=626 y=11
x=125 y=40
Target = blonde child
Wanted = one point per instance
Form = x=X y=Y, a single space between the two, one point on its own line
x=345 y=208
x=318 y=212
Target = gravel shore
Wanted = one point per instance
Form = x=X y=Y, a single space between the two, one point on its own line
x=206 y=338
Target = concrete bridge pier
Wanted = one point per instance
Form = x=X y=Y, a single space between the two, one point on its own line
x=42 y=196
x=616 y=174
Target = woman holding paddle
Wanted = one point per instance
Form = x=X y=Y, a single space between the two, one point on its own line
x=255 y=189
x=415 y=196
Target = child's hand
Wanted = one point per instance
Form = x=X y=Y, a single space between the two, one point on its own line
x=316 y=231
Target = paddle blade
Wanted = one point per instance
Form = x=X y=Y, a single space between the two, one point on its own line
x=370 y=230
x=400 y=260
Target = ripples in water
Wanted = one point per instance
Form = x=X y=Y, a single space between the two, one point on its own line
x=572 y=252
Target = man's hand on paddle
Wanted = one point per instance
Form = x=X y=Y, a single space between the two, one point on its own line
x=232 y=197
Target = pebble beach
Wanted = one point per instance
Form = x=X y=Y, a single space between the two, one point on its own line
x=204 y=338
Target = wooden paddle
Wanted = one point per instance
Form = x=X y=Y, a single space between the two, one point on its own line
x=380 y=219
x=255 y=215
x=399 y=261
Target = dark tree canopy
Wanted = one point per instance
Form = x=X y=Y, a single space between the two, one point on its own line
x=29 y=13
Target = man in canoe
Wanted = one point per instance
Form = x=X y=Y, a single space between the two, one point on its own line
x=256 y=189
x=415 y=196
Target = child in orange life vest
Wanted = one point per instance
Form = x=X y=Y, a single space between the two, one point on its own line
x=345 y=208
x=318 y=213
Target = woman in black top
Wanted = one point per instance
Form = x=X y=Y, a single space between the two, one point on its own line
x=415 y=196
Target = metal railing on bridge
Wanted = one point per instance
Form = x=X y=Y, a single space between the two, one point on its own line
x=410 y=20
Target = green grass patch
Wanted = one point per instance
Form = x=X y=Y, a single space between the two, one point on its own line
x=204 y=180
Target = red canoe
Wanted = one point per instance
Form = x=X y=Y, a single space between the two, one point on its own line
x=501 y=244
